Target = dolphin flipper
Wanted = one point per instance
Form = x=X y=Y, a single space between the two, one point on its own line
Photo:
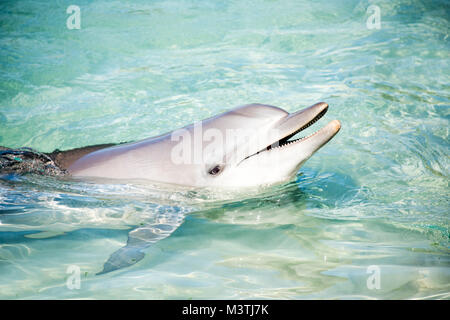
x=138 y=240
x=122 y=258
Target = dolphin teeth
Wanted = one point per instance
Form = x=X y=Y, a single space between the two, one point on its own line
x=285 y=142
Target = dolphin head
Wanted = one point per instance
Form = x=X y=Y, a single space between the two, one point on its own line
x=252 y=145
x=248 y=146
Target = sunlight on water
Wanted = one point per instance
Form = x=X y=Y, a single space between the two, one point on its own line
x=375 y=198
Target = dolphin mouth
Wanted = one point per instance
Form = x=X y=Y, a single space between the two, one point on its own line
x=299 y=121
x=285 y=141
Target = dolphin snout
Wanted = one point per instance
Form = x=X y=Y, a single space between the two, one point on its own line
x=336 y=125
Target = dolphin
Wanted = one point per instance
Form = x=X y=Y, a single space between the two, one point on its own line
x=247 y=146
x=261 y=151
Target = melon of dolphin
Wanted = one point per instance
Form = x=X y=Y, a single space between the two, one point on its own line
x=250 y=145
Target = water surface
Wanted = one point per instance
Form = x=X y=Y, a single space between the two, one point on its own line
x=375 y=198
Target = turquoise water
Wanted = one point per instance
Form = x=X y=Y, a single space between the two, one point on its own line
x=375 y=198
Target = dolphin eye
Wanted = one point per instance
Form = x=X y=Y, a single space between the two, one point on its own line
x=215 y=170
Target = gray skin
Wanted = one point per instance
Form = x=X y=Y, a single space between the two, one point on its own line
x=245 y=147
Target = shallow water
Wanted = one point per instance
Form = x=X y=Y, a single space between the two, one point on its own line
x=372 y=204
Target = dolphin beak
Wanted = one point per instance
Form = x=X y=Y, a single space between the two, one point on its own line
x=299 y=121
x=302 y=119
x=319 y=138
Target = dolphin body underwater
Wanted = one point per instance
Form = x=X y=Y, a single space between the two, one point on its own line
x=248 y=146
